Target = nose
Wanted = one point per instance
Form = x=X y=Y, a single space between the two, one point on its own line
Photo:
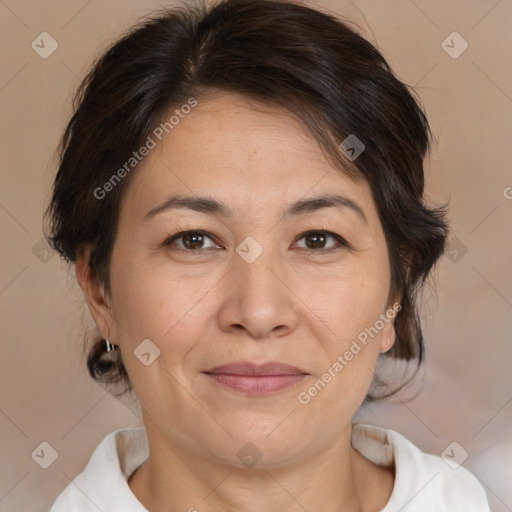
x=258 y=299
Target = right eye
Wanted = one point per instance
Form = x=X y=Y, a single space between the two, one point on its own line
x=191 y=241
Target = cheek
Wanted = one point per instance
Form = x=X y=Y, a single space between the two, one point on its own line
x=350 y=350
x=347 y=303
x=350 y=305
x=168 y=310
x=160 y=305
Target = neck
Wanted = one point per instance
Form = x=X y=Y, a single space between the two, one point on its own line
x=337 y=478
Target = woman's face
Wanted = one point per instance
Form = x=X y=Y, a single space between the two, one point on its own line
x=251 y=287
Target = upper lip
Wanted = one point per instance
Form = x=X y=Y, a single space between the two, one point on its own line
x=250 y=368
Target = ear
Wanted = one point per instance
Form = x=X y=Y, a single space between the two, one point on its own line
x=388 y=337
x=95 y=295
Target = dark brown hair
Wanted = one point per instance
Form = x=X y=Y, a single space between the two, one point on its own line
x=284 y=54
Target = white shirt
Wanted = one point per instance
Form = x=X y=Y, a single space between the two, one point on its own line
x=423 y=482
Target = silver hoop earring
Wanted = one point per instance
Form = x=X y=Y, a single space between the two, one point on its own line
x=108 y=345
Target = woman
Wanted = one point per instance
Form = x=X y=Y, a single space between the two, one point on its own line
x=241 y=191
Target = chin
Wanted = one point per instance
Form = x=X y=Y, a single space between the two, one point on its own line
x=259 y=442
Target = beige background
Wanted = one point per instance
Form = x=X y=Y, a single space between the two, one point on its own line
x=46 y=394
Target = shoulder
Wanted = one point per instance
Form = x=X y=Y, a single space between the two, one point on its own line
x=104 y=481
x=423 y=481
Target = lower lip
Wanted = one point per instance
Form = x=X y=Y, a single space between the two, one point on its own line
x=257 y=384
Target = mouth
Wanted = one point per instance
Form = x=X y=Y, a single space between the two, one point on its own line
x=256 y=379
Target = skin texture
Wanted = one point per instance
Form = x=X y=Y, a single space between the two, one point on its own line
x=211 y=307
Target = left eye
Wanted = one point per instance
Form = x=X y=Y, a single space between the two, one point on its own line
x=316 y=240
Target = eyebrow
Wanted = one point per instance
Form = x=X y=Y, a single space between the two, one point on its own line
x=213 y=207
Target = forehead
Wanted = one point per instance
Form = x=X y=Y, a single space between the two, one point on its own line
x=242 y=152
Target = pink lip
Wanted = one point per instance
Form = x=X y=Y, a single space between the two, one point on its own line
x=256 y=379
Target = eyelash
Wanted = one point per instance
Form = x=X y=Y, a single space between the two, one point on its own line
x=341 y=241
